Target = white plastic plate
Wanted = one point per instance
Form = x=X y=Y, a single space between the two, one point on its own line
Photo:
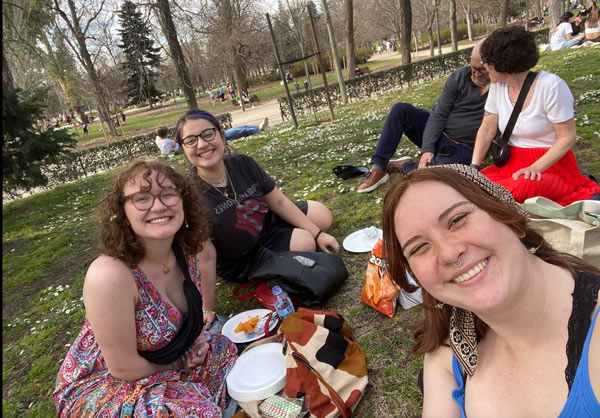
x=257 y=374
x=362 y=241
x=241 y=337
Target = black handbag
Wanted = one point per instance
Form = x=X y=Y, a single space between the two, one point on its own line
x=499 y=149
x=310 y=285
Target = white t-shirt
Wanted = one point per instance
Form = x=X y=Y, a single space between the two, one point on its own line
x=552 y=102
x=164 y=144
x=559 y=35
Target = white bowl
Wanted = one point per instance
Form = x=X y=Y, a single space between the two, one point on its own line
x=258 y=373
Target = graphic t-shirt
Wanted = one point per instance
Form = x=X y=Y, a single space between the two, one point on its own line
x=237 y=221
x=559 y=35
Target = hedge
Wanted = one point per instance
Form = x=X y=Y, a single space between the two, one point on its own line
x=71 y=166
x=369 y=84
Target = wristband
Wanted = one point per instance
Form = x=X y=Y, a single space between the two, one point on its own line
x=317 y=236
x=208 y=312
x=475 y=166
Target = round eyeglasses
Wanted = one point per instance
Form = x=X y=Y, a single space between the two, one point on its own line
x=145 y=200
x=480 y=71
x=206 y=135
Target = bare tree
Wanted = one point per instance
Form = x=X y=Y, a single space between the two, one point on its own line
x=503 y=19
x=395 y=16
x=78 y=21
x=163 y=10
x=467 y=8
x=350 y=57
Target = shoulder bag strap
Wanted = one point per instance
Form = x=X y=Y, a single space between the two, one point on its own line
x=518 y=105
x=344 y=410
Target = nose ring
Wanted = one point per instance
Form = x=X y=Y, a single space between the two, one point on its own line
x=458 y=262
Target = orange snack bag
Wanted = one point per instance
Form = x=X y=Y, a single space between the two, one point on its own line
x=247 y=326
x=379 y=291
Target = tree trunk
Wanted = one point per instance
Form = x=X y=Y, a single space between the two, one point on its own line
x=406 y=19
x=8 y=82
x=453 y=28
x=503 y=19
x=350 y=57
x=469 y=15
x=168 y=28
x=555 y=12
x=431 y=47
x=86 y=61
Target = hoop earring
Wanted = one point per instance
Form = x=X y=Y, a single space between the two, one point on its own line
x=534 y=250
x=186 y=223
x=439 y=305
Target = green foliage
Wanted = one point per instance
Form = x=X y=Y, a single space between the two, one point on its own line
x=25 y=149
x=445 y=37
x=141 y=56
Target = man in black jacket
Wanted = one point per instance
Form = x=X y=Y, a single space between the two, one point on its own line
x=445 y=135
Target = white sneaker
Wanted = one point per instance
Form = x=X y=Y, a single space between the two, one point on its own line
x=264 y=124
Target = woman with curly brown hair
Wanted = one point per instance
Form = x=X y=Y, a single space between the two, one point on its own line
x=142 y=350
x=510 y=325
x=541 y=161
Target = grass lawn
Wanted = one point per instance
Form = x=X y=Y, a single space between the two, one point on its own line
x=48 y=239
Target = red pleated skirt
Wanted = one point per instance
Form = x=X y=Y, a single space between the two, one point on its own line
x=562 y=182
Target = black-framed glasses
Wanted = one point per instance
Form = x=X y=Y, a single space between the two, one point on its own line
x=480 y=70
x=206 y=135
x=145 y=200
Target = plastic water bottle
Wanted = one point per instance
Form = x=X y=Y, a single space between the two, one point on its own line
x=283 y=303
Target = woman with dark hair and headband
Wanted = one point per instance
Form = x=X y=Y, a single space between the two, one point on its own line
x=248 y=210
x=510 y=325
x=142 y=350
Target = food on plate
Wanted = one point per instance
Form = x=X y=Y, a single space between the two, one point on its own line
x=247 y=326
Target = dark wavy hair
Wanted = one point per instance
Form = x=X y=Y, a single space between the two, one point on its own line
x=433 y=330
x=510 y=50
x=566 y=16
x=196 y=114
x=118 y=240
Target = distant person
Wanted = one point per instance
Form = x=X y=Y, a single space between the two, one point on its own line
x=306 y=85
x=592 y=27
x=85 y=129
x=123 y=117
x=166 y=145
x=246 y=130
x=211 y=94
x=297 y=86
x=444 y=135
x=562 y=35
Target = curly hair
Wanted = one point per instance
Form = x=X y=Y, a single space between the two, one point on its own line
x=433 y=330
x=117 y=238
x=510 y=50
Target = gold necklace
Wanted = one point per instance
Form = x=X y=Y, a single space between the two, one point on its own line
x=225 y=193
x=166 y=268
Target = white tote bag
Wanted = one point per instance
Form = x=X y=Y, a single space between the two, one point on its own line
x=574 y=229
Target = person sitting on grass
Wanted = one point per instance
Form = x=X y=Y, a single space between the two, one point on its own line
x=144 y=349
x=445 y=135
x=510 y=325
x=249 y=212
x=166 y=145
x=592 y=27
x=562 y=35
x=541 y=161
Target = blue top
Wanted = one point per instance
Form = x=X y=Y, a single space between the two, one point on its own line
x=581 y=402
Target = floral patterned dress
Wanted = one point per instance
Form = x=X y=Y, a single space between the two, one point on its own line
x=84 y=386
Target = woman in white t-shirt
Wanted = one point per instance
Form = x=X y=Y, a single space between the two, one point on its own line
x=562 y=35
x=592 y=27
x=541 y=162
